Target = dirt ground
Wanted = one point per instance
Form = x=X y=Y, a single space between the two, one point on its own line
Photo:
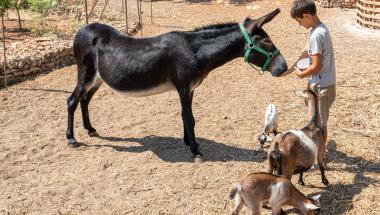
x=139 y=164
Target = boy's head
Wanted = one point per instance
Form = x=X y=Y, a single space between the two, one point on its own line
x=305 y=12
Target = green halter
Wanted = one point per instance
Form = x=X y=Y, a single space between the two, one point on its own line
x=251 y=46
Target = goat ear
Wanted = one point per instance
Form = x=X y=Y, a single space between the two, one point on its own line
x=322 y=93
x=300 y=94
x=267 y=18
x=316 y=197
x=312 y=206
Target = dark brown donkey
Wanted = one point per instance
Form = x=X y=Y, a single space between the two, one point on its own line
x=177 y=60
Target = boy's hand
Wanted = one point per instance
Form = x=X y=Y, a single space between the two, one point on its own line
x=299 y=73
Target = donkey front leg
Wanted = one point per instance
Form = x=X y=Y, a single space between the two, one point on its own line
x=185 y=136
x=188 y=120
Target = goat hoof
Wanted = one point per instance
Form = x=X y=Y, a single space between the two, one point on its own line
x=93 y=134
x=198 y=159
x=72 y=143
x=325 y=182
x=301 y=183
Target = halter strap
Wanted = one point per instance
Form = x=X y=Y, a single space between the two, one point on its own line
x=251 y=45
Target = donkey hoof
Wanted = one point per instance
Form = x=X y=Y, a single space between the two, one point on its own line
x=93 y=134
x=198 y=159
x=72 y=143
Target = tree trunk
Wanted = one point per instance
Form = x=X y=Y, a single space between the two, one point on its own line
x=18 y=15
x=4 y=50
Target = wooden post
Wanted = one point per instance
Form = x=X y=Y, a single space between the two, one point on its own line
x=4 y=50
x=92 y=8
x=151 y=11
x=139 y=15
x=126 y=16
x=105 y=5
x=85 y=9
x=141 y=21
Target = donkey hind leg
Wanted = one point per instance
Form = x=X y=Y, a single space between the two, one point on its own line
x=185 y=136
x=84 y=107
x=86 y=79
x=188 y=120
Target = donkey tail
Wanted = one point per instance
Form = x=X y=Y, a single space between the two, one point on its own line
x=235 y=189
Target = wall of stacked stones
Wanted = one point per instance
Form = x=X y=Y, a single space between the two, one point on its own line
x=337 y=3
x=33 y=56
x=30 y=57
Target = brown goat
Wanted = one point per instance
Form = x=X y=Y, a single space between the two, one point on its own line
x=256 y=188
x=296 y=151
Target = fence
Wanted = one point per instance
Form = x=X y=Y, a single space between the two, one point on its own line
x=368 y=14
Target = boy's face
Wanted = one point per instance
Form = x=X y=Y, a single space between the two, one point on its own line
x=305 y=21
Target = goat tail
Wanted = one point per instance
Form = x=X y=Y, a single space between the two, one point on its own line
x=234 y=190
x=275 y=159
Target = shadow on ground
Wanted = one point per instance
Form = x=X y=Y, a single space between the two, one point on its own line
x=338 y=197
x=171 y=149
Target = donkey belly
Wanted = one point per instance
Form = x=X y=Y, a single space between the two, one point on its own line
x=162 y=88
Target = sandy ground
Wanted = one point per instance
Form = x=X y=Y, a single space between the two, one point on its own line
x=139 y=164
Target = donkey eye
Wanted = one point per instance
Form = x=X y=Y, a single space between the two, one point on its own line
x=267 y=40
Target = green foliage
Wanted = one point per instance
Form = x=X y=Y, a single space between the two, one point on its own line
x=42 y=6
x=4 y=5
x=22 y=4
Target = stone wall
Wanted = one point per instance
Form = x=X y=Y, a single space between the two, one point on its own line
x=30 y=57
x=337 y=3
x=34 y=56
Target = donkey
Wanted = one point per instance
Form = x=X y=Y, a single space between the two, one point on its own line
x=178 y=60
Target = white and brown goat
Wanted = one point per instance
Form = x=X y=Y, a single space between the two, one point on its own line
x=270 y=124
x=257 y=188
x=296 y=151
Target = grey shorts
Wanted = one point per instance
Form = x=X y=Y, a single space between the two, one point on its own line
x=325 y=103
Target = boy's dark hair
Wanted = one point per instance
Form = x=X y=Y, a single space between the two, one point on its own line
x=301 y=7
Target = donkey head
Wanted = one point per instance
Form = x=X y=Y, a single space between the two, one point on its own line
x=266 y=55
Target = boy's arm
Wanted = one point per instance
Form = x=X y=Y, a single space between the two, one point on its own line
x=293 y=67
x=313 y=69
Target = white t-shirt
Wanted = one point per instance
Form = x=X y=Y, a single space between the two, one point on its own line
x=320 y=43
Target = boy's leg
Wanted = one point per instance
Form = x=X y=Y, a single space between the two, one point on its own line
x=324 y=110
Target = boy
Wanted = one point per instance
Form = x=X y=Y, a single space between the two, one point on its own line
x=320 y=51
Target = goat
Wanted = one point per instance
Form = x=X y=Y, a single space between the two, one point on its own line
x=296 y=151
x=256 y=188
x=270 y=124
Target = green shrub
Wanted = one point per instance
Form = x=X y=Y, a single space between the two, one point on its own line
x=4 y=5
x=42 y=6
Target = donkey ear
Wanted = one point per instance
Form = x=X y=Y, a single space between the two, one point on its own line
x=261 y=21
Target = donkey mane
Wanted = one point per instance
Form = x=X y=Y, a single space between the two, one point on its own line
x=215 y=26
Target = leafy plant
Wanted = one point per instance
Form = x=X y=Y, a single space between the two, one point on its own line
x=42 y=7
x=4 y=5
